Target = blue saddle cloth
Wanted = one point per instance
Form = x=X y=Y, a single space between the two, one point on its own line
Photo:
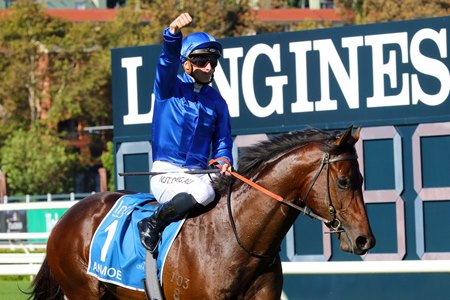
x=116 y=254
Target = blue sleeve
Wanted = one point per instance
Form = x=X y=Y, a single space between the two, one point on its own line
x=222 y=140
x=168 y=64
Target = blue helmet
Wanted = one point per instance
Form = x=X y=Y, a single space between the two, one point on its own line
x=200 y=43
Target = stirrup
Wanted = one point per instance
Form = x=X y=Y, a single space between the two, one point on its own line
x=147 y=247
x=154 y=251
x=146 y=236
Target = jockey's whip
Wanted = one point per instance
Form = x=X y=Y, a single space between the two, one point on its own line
x=207 y=171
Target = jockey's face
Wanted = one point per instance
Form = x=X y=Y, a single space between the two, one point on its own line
x=203 y=67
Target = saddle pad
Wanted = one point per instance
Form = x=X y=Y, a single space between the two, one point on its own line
x=116 y=254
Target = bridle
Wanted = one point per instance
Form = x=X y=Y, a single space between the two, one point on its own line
x=334 y=224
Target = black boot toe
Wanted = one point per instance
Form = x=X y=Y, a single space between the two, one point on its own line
x=148 y=235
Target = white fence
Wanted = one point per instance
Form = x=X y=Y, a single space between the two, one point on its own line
x=20 y=263
x=27 y=263
x=367 y=267
x=41 y=198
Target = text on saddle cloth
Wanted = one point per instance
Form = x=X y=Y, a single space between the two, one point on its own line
x=116 y=254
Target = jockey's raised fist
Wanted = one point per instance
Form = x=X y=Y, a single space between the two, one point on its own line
x=181 y=21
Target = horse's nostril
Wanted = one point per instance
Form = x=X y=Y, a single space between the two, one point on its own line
x=363 y=243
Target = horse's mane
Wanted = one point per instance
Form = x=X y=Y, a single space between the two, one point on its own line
x=254 y=158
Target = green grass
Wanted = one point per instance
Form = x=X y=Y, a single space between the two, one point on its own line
x=10 y=288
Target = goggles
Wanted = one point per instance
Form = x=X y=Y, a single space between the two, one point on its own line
x=202 y=60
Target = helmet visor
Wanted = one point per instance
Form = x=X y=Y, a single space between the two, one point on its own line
x=202 y=60
x=211 y=51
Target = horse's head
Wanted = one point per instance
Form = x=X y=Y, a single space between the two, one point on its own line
x=335 y=193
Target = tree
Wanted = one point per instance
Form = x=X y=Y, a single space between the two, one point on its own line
x=221 y=19
x=36 y=162
x=52 y=70
x=56 y=72
x=107 y=158
x=372 y=11
x=22 y=84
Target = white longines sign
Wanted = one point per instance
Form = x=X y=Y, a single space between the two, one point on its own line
x=286 y=79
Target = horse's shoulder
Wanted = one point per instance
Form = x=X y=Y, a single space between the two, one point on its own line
x=207 y=218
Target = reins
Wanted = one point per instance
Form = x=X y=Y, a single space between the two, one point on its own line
x=233 y=226
x=325 y=161
x=281 y=199
x=334 y=224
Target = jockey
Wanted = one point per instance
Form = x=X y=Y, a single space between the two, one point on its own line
x=191 y=123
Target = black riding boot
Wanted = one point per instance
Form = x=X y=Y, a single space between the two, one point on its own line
x=151 y=227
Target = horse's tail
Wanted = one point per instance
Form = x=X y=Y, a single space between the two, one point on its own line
x=44 y=285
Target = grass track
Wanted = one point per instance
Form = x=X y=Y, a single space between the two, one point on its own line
x=9 y=289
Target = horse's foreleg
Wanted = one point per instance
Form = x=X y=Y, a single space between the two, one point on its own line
x=269 y=284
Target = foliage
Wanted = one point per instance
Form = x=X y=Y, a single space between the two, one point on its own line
x=55 y=71
x=371 y=11
x=78 y=74
x=128 y=29
x=36 y=162
x=22 y=39
x=107 y=159
x=224 y=18
x=311 y=24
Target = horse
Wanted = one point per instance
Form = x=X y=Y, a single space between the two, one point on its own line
x=229 y=249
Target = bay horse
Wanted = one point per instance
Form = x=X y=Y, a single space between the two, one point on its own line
x=229 y=250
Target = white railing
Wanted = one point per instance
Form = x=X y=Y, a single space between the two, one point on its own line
x=20 y=263
x=13 y=241
x=29 y=263
x=36 y=205
x=367 y=267
x=41 y=198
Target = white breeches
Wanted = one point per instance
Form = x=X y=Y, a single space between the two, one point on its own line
x=166 y=186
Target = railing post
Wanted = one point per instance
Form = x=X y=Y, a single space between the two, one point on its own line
x=103 y=179
x=2 y=186
x=49 y=197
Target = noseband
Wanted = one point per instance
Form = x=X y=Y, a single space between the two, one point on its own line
x=334 y=224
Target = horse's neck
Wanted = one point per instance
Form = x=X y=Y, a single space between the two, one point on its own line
x=261 y=222
x=261 y=219
x=266 y=223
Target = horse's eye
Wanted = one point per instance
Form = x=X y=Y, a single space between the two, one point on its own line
x=343 y=183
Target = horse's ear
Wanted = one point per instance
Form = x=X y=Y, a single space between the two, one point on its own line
x=343 y=138
x=357 y=134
